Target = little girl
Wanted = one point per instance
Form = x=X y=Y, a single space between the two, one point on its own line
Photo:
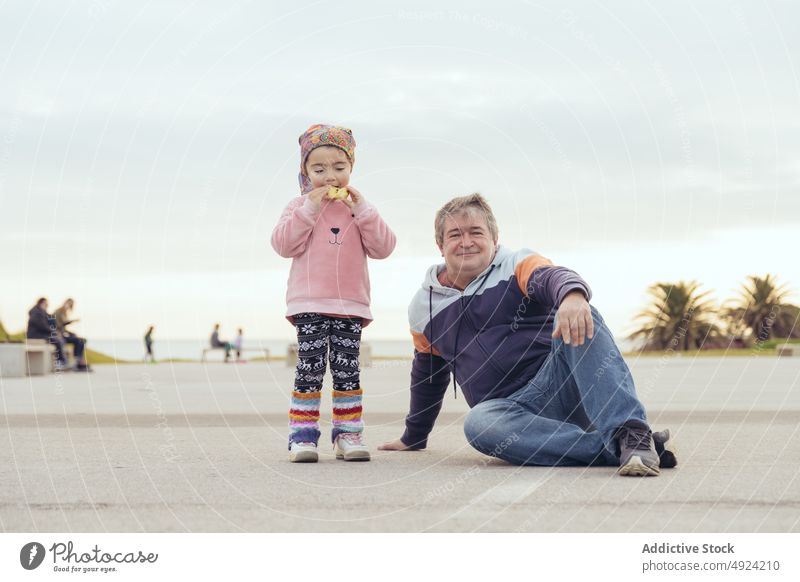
x=329 y=231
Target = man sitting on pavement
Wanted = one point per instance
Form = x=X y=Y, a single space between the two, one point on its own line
x=519 y=336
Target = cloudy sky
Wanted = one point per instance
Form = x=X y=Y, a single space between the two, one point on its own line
x=147 y=149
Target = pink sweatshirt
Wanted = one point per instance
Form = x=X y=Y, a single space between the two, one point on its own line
x=330 y=245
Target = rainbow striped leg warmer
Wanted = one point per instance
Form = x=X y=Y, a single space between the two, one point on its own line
x=304 y=417
x=346 y=412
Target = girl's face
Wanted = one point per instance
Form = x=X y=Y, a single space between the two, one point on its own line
x=328 y=166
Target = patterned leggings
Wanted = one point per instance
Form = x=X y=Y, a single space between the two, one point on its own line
x=317 y=336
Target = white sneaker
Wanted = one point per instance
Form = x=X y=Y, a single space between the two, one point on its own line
x=348 y=446
x=303 y=453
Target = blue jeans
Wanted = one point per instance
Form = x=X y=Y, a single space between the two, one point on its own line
x=568 y=413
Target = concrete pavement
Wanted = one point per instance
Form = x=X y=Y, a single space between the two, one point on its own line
x=192 y=447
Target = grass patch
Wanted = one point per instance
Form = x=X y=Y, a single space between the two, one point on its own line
x=95 y=358
x=775 y=342
x=92 y=357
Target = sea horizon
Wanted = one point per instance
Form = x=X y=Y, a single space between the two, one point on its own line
x=191 y=348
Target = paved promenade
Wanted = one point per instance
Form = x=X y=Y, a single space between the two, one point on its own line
x=191 y=447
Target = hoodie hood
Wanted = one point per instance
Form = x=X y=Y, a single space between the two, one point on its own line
x=431 y=286
x=433 y=297
x=431 y=279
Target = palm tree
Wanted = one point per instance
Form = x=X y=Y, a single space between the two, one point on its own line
x=788 y=322
x=680 y=317
x=761 y=309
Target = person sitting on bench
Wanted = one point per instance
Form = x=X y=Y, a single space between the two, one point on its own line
x=42 y=326
x=220 y=344
x=62 y=315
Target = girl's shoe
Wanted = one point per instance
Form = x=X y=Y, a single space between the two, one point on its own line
x=348 y=446
x=303 y=453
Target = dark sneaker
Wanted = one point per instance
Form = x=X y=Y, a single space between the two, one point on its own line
x=637 y=452
x=666 y=453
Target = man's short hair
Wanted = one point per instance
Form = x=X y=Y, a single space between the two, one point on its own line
x=465 y=204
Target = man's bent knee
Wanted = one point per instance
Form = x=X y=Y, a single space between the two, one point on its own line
x=484 y=425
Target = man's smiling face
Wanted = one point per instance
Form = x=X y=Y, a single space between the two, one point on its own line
x=468 y=247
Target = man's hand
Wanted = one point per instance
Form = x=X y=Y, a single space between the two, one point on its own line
x=574 y=319
x=397 y=445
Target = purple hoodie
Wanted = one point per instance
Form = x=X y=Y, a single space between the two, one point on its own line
x=493 y=336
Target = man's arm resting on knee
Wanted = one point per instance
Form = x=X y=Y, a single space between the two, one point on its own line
x=427 y=392
x=563 y=289
x=550 y=284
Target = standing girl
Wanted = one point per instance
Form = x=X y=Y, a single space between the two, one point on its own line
x=328 y=232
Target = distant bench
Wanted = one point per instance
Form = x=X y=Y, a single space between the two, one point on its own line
x=788 y=350
x=29 y=358
x=206 y=351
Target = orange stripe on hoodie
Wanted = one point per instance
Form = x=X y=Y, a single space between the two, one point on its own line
x=525 y=268
x=421 y=344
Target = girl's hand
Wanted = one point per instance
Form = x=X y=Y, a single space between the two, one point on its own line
x=317 y=195
x=355 y=197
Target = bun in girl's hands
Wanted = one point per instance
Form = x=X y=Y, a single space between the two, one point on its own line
x=335 y=193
